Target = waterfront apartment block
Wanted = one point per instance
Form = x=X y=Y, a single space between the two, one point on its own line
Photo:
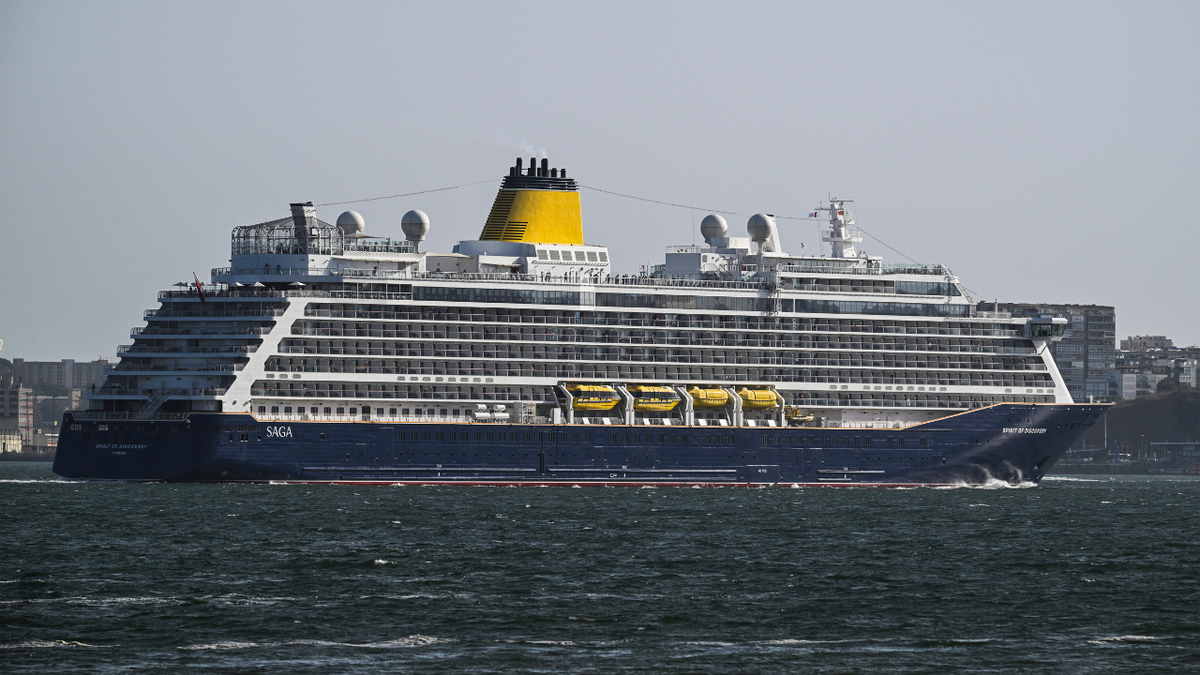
x=1148 y=360
x=66 y=373
x=16 y=409
x=1086 y=356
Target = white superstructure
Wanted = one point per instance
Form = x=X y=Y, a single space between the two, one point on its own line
x=320 y=321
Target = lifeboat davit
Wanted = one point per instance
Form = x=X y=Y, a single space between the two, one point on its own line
x=708 y=398
x=654 y=398
x=756 y=399
x=593 y=396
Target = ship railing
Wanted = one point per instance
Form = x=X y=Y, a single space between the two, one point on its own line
x=162 y=313
x=851 y=266
x=191 y=392
x=147 y=349
x=254 y=292
x=191 y=332
x=572 y=279
x=124 y=415
x=977 y=314
x=221 y=291
x=159 y=368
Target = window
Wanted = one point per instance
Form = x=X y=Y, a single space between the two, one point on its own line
x=867 y=440
x=274 y=409
x=924 y=441
x=354 y=411
x=341 y=411
x=856 y=440
x=287 y=409
x=261 y=409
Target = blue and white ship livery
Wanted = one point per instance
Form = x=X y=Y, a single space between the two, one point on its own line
x=326 y=354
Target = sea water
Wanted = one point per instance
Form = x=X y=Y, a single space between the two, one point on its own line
x=1078 y=575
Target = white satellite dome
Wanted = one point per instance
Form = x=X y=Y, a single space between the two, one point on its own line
x=713 y=227
x=760 y=227
x=351 y=224
x=415 y=225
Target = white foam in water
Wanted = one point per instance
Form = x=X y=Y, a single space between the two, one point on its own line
x=1123 y=638
x=1072 y=479
x=405 y=642
x=46 y=644
x=384 y=562
x=226 y=645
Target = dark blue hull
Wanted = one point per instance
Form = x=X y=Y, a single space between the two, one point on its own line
x=1008 y=442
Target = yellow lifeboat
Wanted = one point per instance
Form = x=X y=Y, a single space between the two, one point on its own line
x=593 y=396
x=756 y=399
x=654 y=398
x=708 y=398
x=797 y=416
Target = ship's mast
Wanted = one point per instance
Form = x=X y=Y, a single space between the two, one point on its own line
x=840 y=236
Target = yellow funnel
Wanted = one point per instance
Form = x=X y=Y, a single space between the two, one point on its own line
x=537 y=206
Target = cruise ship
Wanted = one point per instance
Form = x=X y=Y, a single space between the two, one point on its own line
x=326 y=354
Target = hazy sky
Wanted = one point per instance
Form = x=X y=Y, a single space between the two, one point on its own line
x=1046 y=152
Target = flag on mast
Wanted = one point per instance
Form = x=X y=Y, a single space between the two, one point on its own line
x=199 y=289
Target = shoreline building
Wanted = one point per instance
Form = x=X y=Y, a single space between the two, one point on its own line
x=1086 y=355
x=1145 y=360
x=67 y=373
x=16 y=414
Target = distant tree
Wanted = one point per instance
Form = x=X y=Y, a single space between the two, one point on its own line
x=1166 y=384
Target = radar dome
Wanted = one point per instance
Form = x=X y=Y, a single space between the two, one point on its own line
x=415 y=225
x=713 y=227
x=760 y=227
x=351 y=224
